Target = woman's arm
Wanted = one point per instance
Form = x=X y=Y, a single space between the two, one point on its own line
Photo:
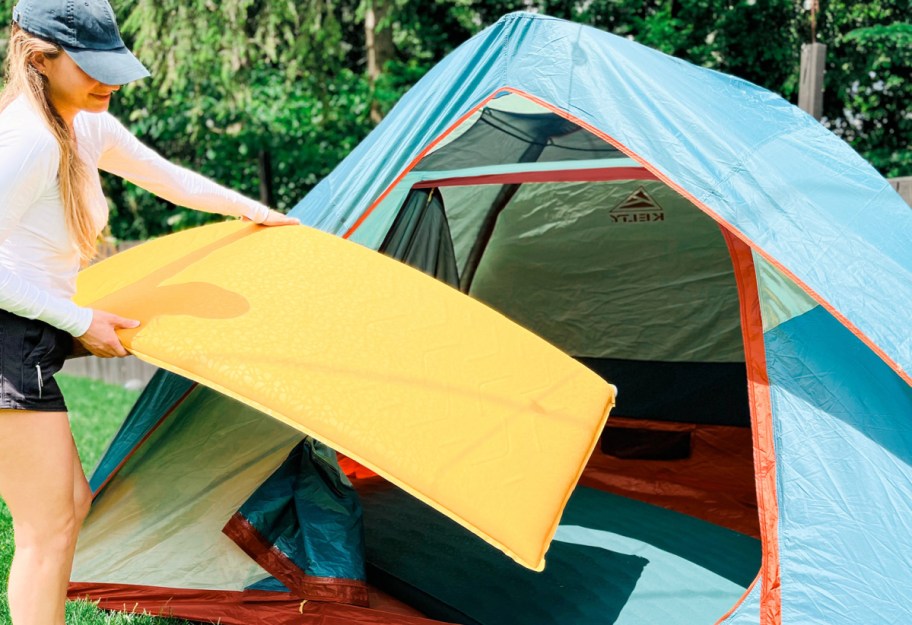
x=28 y=168
x=125 y=156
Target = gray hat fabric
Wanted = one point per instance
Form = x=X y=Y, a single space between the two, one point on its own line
x=88 y=31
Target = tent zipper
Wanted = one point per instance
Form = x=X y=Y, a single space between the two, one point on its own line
x=40 y=382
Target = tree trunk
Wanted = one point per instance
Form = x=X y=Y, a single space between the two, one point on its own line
x=266 y=193
x=379 y=42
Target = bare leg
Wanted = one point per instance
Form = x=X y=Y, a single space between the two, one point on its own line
x=82 y=501
x=38 y=462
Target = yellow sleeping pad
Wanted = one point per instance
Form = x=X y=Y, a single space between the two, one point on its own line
x=441 y=395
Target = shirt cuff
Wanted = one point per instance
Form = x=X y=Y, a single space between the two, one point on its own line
x=257 y=213
x=81 y=321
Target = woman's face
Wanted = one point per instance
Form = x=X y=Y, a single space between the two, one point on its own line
x=72 y=90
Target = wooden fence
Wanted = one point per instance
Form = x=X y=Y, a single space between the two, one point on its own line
x=129 y=372
x=904 y=187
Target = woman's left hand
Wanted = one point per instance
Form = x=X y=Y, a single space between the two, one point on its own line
x=275 y=218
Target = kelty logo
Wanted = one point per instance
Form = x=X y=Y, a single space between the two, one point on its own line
x=639 y=207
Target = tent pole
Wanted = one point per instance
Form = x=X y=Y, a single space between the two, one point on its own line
x=507 y=191
x=503 y=198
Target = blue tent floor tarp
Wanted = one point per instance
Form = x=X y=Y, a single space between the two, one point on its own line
x=614 y=560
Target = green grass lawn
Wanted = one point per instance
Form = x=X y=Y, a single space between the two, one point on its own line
x=96 y=410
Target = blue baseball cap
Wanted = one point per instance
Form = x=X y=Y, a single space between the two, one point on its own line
x=88 y=31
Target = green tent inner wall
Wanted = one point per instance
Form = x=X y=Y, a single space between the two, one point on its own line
x=559 y=231
x=189 y=447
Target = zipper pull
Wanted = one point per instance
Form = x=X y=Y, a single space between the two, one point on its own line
x=40 y=382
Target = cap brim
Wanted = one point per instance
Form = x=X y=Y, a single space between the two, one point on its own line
x=111 y=67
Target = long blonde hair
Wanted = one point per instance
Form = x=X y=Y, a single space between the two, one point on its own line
x=22 y=77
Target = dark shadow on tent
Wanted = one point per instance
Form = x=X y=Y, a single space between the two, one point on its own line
x=450 y=574
x=694 y=383
x=823 y=378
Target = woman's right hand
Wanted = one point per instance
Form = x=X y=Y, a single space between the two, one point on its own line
x=101 y=338
x=275 y=218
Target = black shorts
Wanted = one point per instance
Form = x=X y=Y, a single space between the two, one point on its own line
x=31 y=352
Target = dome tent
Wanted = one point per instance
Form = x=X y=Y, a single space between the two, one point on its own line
x=545 y=166
x=820 y=257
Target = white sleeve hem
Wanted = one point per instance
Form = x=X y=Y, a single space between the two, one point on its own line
x=257 y=213
x=23 y=298
x=82 y=322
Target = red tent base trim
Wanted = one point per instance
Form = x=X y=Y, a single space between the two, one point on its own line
x=280 y=566
x=249 y=607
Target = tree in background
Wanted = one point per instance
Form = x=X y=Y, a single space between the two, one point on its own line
x=267 y=96
x=869 y=79
x=263 y=96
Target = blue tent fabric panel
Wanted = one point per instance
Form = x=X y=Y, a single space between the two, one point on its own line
x=844 y=470
x=748 y=611
x=799 y=193
x=163 y=392
x=848 y=241
x=610 y=558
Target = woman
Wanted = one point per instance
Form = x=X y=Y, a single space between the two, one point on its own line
x=65 y=59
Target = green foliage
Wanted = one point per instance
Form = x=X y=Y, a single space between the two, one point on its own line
x=753 y=39
x=306 y=128
x=237 y=79
x=233 y=81
x=869 y=79
x=209 y=45
x=760 y=41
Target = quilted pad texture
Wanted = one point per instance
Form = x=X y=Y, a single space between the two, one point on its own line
x=438 y=393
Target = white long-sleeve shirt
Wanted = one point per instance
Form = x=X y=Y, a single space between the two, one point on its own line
x=38 y=258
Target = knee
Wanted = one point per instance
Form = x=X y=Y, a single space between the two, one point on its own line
x=51 y=537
